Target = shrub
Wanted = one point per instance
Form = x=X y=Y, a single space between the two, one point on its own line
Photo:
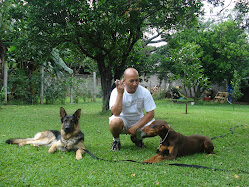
x=24 y=87
x=55 y=90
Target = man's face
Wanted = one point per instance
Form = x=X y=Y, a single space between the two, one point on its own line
x=131 y=82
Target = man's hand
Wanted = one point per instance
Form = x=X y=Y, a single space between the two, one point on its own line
x=117 y=107
x=120 y=86
x=147 y=118
x=132 y=130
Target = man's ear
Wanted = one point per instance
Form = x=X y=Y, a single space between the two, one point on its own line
x=63 y=112
x=77 y=114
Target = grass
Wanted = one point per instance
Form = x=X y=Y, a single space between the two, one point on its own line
x=29 y=166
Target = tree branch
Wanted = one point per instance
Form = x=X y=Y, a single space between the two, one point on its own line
x=152 y=38
x=85 y=51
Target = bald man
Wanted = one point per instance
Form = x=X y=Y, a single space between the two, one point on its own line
x=128 y=102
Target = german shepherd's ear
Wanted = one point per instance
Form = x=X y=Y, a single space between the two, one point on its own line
x=63 y=112
x=77 y=114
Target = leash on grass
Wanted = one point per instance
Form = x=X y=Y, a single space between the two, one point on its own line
x=175 y=164
x=231 y=132
x=170 y=164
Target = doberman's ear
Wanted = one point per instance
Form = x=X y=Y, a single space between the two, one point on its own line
x=63 y=113
x=162 y=123
x=77 y=114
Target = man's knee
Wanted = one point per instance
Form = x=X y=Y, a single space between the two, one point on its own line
x=116 y=123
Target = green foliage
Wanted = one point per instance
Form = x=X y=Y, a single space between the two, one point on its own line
x=224 y=49
x=30 y=166
x=105 y=31
x=55 y=90
x=159 y=96
x=2 y=96
x=236 y=85
x=141 y=59
x=229 y=51
x=23 y=87
x=82 y=89
x=242 y=16
x=188 y=68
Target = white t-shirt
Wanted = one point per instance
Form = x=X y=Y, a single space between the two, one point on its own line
x=134 y=104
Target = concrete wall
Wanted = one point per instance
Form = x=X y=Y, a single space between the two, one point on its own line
x=154 y=81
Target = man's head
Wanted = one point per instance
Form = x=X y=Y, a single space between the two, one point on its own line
x=131 y=80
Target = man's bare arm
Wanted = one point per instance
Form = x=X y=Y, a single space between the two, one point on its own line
x=146 y=119
x=117 y=107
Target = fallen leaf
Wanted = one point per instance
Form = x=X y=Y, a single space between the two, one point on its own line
x=133 y=175
x=236 y=176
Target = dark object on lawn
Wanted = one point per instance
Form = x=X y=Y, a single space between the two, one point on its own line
x=174 y=144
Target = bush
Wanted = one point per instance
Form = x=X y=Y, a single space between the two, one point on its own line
x=55 y=90
x=157 y=96
x=24 y=87
x=2 y=96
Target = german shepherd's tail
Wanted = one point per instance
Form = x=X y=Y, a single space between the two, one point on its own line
x=18 y=140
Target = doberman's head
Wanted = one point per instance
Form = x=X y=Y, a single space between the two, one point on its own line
x=157 y=127
x=69 y=123
x=208 y=147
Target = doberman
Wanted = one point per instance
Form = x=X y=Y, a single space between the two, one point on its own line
x=174 y=144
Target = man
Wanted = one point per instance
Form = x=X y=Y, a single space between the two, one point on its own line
x=128 y=102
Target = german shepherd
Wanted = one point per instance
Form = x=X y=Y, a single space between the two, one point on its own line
x=69 y=139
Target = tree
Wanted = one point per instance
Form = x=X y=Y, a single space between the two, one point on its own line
x=189 y=69
x=5 y=28
x=242 y=15
x=225 y=49
x=236 y=85
x=105 y=31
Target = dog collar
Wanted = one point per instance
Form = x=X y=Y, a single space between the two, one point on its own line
x=162 y=140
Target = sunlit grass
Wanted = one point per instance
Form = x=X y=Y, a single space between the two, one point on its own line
x=29 y=166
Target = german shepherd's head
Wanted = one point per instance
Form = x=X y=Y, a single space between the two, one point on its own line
x=70 y=124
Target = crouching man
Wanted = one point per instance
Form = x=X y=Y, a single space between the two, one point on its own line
x=128 y=102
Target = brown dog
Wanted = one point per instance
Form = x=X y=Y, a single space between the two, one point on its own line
x=70 y=138
x=174 y=144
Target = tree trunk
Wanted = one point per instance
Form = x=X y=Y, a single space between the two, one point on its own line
x=3 y=71
x=94 y=86
x=106 y=80
x=5 y=82
x=2 y=53
x=42 y=85
x=197 y=93
x=106 y=89
x=186 y=100
x=186 y=103
x=71 y=91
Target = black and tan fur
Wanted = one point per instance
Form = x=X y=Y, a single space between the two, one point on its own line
x=174 y=144
x=70 y=138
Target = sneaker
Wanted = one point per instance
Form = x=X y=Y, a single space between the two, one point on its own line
x=116 y=146
x=137 y=142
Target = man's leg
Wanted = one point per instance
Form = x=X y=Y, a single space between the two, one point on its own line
x=116 y=126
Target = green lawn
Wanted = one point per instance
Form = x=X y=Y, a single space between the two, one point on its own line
x=29 y=166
